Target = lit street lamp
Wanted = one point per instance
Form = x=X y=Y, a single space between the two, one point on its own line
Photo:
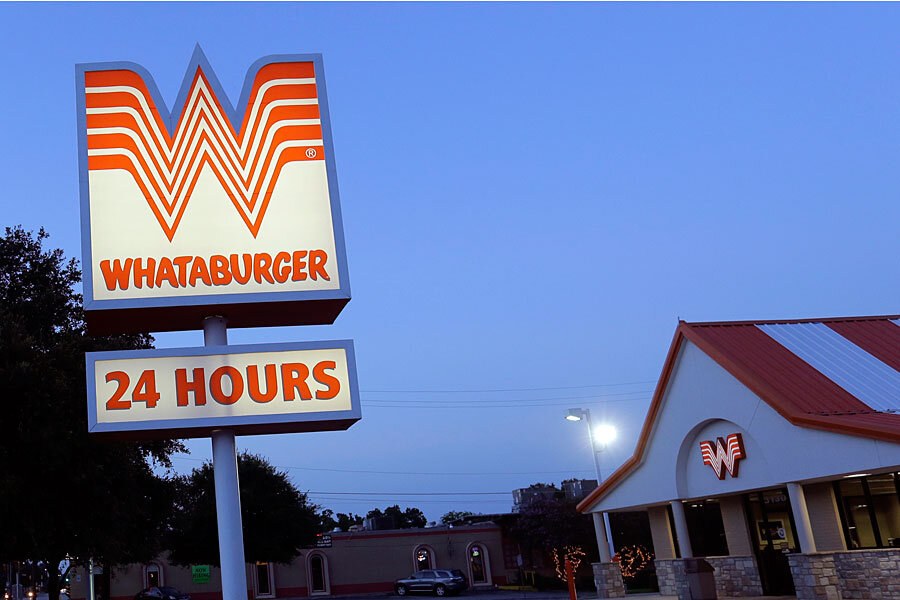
x=600 y=437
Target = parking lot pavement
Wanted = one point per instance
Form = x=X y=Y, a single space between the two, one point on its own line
x=489 y=595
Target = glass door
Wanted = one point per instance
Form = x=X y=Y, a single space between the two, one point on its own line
x=772 y=532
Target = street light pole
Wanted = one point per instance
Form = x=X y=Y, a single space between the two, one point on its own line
x=594 y=451
x=585 y=413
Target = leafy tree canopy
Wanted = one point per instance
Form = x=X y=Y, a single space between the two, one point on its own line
x=548 y=524
x=278 y=519
x=346 y=521
x=70 y=493
x=456 y=515
x=341 y=521
x=403 y=519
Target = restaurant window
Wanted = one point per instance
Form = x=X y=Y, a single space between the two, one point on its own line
x=318 y=575
x=870 y=510
x=478 y=564
x=705 y=527
x=424 y=558
x=264 y=580
x=153 y=576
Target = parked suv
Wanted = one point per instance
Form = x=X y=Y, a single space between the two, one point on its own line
x=438 y=582
x=161 y=593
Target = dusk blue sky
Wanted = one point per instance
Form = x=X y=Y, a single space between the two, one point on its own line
x=532 y=195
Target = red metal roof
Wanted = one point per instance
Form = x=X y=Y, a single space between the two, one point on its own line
x=757 y=354
x=879 y=337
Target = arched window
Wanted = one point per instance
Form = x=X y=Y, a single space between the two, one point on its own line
x=479 y=564
x=264 y=576
x=153 y=575
x=317 y=568
x=423 y=558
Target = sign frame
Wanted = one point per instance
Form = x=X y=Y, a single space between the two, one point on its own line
x=179 y=313
x=241 y=425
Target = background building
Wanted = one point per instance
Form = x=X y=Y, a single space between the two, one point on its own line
x=357 y=562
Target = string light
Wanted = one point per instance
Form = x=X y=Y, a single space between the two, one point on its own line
x=632 y=560
x=573 y=554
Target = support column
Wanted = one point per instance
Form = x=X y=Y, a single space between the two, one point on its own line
x=801 y=518
x=600 y=531
x=228 y=498
x=681 y=528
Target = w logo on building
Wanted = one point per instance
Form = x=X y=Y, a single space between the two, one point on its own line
x=723 y=454
x=128 y=130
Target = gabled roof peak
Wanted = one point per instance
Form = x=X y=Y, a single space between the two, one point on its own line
x=838 y=374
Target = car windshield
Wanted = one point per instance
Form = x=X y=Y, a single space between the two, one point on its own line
x=170 y=591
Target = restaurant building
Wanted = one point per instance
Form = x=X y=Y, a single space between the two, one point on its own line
x=352 y=562
x=772 y=449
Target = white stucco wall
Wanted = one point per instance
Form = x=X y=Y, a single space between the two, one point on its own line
x=703 y=401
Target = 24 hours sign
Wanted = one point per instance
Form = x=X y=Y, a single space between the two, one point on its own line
x=209 y=208
x=252 y=389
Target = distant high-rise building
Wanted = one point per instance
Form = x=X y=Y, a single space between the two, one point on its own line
x=577 y=489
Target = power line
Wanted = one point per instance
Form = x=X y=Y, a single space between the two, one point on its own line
x=441 y=473
x=373 y=501
x=506 y=493
x=497 y=400
x=468 y=406
x=535 y=389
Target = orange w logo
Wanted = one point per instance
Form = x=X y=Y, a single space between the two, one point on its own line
x=724 y=455
x=281 y=124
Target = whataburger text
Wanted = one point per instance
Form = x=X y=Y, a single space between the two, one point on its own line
x=215 y=270
x=165 y=385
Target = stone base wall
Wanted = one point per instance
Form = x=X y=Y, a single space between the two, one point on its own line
x=736 y=576
x=608 y=579
x=670 y=577
x=862 y=574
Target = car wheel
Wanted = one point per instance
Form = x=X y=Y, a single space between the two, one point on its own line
x=440 y=590
x=400 y=589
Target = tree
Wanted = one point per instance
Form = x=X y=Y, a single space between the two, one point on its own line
x=65 y=492
x=277 y=518
x=403 y=519
x=342 y=522
x=346 y=521
x=555 y=527
x=455 y=515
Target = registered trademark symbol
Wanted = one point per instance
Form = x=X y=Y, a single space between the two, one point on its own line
x=310 y=153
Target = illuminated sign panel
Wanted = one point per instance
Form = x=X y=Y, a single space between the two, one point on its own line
x=188 y=392
x=209 y=209
x=723 y=454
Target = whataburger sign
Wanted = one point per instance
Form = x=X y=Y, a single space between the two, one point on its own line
x=205 y=216
x=205 y=211
x=209 y=209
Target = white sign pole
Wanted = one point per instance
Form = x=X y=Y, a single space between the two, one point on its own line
x=228 y=498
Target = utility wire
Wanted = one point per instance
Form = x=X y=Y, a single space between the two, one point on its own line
x=482 y=401
x=373 y=501
x=506 y=493
x=440 y=473
x=534 y=389
x=469 y=406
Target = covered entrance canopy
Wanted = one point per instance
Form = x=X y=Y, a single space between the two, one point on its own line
x=768 y=443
